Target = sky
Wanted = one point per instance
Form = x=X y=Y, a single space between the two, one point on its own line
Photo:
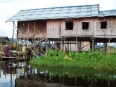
x=9 y=8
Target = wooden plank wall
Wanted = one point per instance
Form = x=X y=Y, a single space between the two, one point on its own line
x=56 y=28
x=77 y=28
x=110 y=31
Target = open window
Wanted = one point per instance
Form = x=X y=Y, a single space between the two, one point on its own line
x=103 y=24
x=69 y=25
x=85 y=25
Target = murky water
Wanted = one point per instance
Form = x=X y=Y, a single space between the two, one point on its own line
x=25 y=76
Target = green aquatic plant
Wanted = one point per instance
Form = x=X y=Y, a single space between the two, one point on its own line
x=72 y=59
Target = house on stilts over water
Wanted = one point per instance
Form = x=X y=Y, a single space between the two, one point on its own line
x=76 y=28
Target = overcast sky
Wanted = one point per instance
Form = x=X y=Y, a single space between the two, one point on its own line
x=8 y=8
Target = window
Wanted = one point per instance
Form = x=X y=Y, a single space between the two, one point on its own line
x=85 y=25
x=69 y=25
x=104 y=25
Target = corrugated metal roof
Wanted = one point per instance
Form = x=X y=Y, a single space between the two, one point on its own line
x=107 y=13
x=61 y=12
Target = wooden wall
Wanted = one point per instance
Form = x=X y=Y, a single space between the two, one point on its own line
x=54 y=28
x=29 y=28
x=77 y=28
x=57 y=28
x=110 y=31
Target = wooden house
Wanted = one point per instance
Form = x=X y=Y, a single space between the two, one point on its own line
x=73 y=27
x=4 y=39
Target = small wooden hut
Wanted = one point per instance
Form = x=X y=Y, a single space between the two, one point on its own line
x=76 y=28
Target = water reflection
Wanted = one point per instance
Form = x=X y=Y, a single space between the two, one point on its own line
x=24 y=76
x=80 y=77
x=7 y=79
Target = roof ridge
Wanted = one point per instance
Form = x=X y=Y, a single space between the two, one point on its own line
x=63 y=7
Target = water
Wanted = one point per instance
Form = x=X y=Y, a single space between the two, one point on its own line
x=7 y=79
x=25 y=76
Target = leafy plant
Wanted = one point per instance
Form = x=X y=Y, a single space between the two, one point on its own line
x=72 y=59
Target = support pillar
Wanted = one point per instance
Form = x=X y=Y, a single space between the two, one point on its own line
x=108 y=47
x=76 y=45
x=93 y=44
x=13 y=31
x=34 y=38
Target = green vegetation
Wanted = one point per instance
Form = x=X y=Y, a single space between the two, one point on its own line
x=97 y=60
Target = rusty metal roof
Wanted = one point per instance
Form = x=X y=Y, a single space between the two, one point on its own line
x=61 y=12
x=56 y=13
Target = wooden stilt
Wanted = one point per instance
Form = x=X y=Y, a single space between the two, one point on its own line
x=13 y=31
x=92 y=44
x=108 y=47
x=0 y=58
x=64 y=45
x=61 y=43
x=46 y=46
x=76 y=45
x=34 y=37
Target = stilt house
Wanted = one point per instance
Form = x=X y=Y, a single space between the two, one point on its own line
x=74 y=27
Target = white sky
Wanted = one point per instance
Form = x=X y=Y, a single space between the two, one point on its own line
x=8 y=8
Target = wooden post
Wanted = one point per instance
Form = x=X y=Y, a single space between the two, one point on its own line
x=13 y=31
x=68 y=45
x=108 y=47
x=64 y=44
x=46 y=47
x=1 y=47
x=34 y=38
x=92 y=44
x=76 y=44
x=61 y=43
x=1 y=59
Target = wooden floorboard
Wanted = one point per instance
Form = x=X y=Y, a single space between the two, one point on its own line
x=3 y=57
